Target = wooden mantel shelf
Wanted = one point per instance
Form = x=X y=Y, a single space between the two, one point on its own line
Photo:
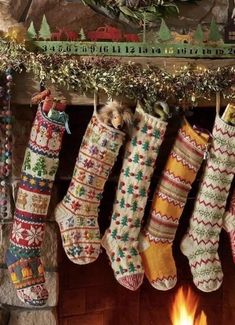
x=26 y=85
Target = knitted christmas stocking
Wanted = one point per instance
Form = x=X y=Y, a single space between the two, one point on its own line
x=201 y=242
x=38 y=173
x=121 y=239
x=77 y=213
x=229 y=223
x=155 y=241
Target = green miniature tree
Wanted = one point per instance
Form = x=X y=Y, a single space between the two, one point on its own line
x=27 y=162
x=199 y=35
x=130 y=189
x=136 y=158
x=134 y=141
x=146 y=145
x=127 y=172
x=120 y=252
x=125 y=237
x=44 y=32
x=121 y=269
x=156 y=134
x=131 y=268
x=124 y=221
x=143 y=192
x=82 y=35
x=40 y=167
x=214 y=34
x=82 y=191
x=31 y=32
x=164 y=32
x=134 y=206
x=144 y=128
x=149 y=162
x=139 y=175
x=114 y=234
x=122 y=203
x=133 y=251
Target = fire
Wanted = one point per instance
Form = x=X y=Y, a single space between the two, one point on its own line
x=184 y=309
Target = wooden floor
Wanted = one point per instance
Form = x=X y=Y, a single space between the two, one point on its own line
x=89 y=294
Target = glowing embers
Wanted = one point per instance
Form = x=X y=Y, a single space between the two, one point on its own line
x=184 y=309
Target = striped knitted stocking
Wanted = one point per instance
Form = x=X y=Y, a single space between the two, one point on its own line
x=38 y=173
x=121 y=239
x=200 y=244
x=229 y=223
x=155 y=242
x=77 y=213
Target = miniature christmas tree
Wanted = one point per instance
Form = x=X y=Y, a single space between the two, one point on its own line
x=120 y=252
x=214 y=34
x=134 y=206
x=199 y=35
x=45 y=32
x=40 y=167
x=143 y=192
x=134 y=141
x=82 y=35
x=133 y=252
x=146 y=145
x=139 y=175
x=130 y=189
x=125 y=237
x=124 y=221
x=131 y=268
x=27 y=162
x=122 y=203
x=164 y=32
x=144 y=128
x=127 y=172
x=136 y=158
x=31 y=31
x=114 y=233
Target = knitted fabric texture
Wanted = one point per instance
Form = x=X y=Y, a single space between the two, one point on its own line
x=38 y=173
x=77 y=214
x=121 y=239
x=200 y=244
x=155 y=242
x=229 y=223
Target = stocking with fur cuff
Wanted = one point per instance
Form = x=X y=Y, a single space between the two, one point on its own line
x=77 y=213
x=121 y=239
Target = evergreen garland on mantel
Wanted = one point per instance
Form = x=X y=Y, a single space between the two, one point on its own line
x=116 y=78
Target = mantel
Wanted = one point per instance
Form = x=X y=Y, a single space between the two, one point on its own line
x=26 y=85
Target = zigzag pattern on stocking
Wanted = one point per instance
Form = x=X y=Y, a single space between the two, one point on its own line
x=33 y=197
x=201 y=242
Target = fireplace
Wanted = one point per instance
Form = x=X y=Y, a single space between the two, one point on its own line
x=89 y=294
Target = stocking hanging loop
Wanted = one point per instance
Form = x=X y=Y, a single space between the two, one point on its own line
x=218 y=102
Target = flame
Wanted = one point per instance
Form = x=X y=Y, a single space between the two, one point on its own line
x=184 y=309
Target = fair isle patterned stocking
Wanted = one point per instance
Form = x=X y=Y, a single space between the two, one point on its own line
x=200 y=244
x=121 y=239
x=229 y=223
x=155 y=242
x=38 y=173
x=77 y=213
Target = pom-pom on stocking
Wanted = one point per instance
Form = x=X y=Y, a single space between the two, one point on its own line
x=200 y=244
x=155 y=242
x=38 y=173
x=121 y=239
x=77 y=213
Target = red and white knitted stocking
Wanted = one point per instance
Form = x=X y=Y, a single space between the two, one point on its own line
x=200 y=244
x=77 y=213
x=38 y=173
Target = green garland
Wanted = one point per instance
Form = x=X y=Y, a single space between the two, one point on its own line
x=136 y=11
x=115 y=78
